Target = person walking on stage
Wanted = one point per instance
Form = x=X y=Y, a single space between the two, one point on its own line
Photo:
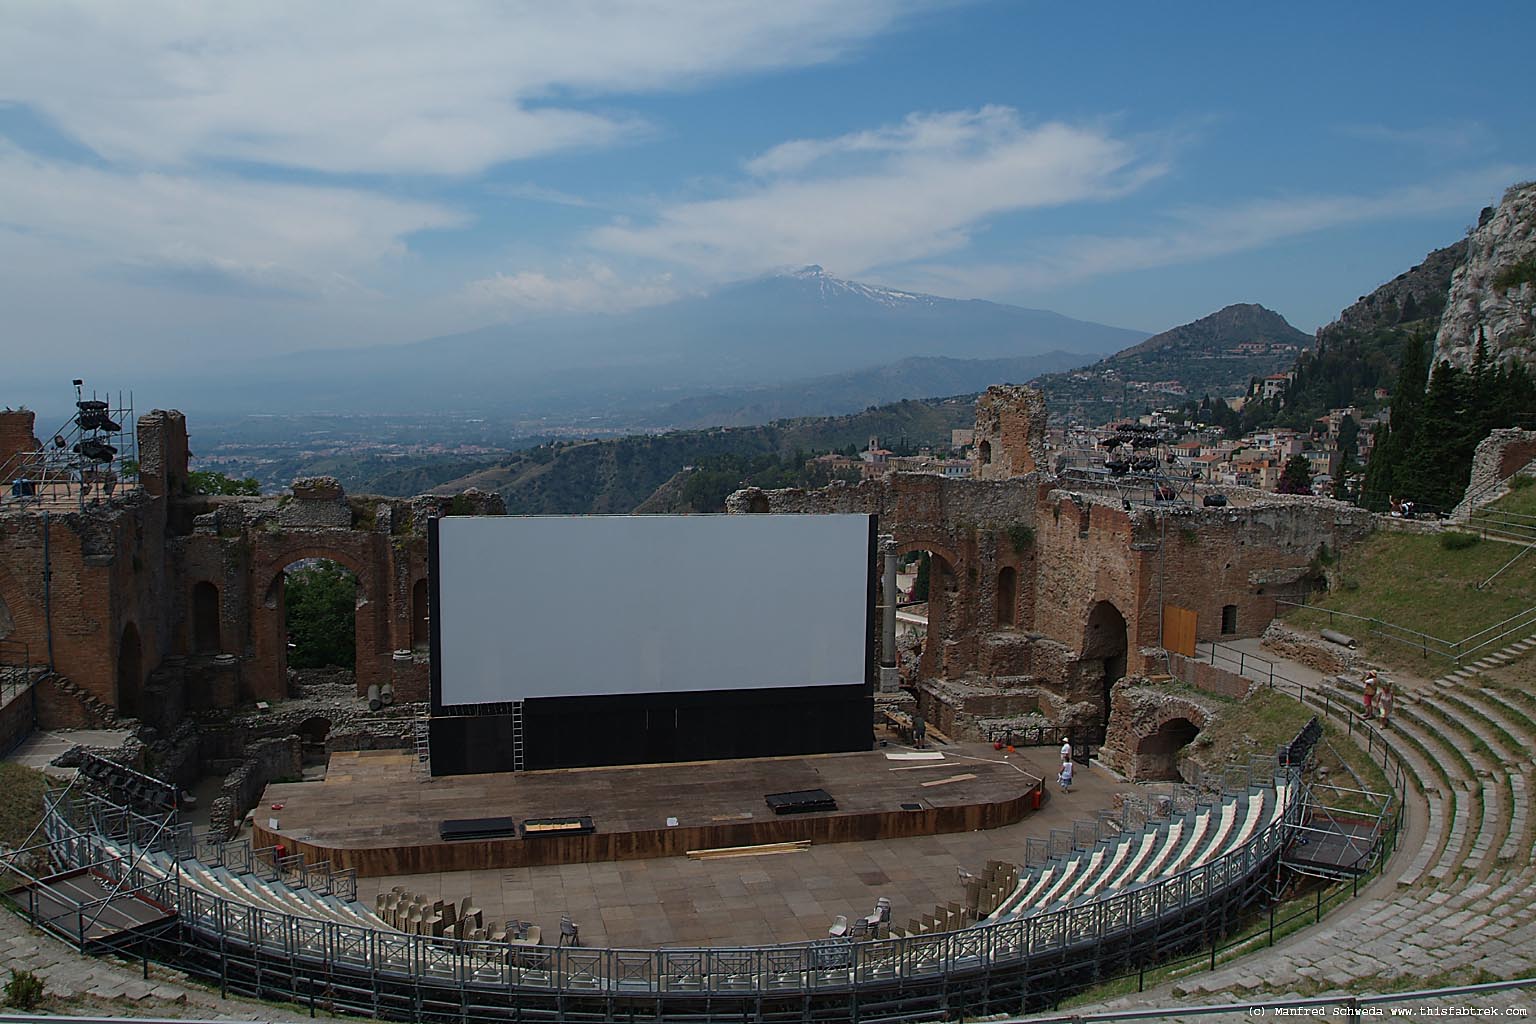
x=1065 y=778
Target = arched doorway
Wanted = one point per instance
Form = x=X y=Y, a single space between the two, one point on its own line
x=130 y=672
x=313 y=733
x=984 y=452
x=1106 y=641
x=1157 y=754
x=318 y=599
x=421 y=635
x=206 y=637
x=1007 y=596
x=926 y=588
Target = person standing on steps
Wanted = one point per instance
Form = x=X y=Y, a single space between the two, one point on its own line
x=1370 y=693
x=1384 y=703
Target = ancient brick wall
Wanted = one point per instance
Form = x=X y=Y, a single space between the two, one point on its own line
x=1202 y=675
x=17 y=428
x=1009 y=439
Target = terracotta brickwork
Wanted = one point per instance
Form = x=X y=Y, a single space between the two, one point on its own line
x=1090 y=575
x=120 y=587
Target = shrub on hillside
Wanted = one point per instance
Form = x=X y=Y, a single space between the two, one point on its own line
x=1458 y=541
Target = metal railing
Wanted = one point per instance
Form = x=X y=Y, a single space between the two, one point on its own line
x=1314 y=1007
x=262 y=951
x=1384 y=755
x=1520 y=624
x=17 y=669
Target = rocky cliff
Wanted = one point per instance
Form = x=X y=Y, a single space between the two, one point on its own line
x=1414 y=295
x=1493 y=292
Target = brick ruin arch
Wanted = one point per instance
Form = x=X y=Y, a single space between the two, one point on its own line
x=1106 y=645
x=943 y=584
x=1148 y=730
x=206 y=632
x=1007 y=597
x=269 y=631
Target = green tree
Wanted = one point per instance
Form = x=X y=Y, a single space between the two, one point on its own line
x=1297 y=476
x=321 y=616
x=207 y=481
x=1389 y=474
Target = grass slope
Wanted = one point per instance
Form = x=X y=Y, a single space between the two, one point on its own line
x=1410 y=580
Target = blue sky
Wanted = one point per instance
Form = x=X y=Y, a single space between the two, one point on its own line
x=197 y=183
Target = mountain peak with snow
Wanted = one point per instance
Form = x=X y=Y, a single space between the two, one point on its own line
x=814 y=277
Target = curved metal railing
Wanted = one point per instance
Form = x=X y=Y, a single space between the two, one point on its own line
x=308 y=947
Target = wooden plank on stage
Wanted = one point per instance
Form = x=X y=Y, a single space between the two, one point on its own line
x=764 y=850
x=952 y=778
x=380 y=816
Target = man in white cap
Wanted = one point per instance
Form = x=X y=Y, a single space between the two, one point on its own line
x=1066 y=748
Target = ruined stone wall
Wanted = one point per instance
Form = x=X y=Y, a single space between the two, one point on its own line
x=1009 y=439
x=17 y=434
x=1202 y=675
x=1139 y=712
x=1499 y=456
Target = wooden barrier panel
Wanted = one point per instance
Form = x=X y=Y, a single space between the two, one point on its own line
x=1179 y=630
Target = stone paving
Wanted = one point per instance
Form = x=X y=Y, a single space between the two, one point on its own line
x=85 y=985
x=787 y=897
x=1469 y=748
x=38 y=750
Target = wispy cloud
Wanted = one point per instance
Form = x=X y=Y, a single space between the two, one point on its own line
x=207 y=233
x=904 y=192
x=1451 y=140
x=592 y=288
x=393 y=86
x=1193 y=233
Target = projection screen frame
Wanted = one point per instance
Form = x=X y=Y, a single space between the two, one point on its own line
x=434 y=583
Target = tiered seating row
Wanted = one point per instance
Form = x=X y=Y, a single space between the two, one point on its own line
x=275 y=896
x=1132 y=860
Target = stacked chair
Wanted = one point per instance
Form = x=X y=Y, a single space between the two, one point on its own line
x=415 y=914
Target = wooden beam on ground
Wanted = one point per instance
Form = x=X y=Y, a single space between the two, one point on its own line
x=750 y=851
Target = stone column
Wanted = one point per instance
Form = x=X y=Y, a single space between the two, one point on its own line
x=890 y=677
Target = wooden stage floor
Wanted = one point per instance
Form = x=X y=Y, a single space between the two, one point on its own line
x=375 y=813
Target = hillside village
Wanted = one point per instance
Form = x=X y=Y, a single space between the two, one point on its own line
x=1180 y=451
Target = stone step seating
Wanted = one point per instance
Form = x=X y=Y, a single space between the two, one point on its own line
x=1433 y=923
x=1498 y=733
x=1438 y=765
x=275 y=896
x=1431 y=780
x=1481 y=733
x=1130 y=860
x=1492 y=782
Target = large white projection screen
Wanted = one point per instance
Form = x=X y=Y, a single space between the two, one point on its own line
x=574 y=606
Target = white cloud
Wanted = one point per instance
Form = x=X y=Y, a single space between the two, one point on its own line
x=390 y=87
x=1191 y=234
x=594 y=288
x=910 y=191
x=205 y=232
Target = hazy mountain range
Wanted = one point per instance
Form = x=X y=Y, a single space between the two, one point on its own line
x=836 y=345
